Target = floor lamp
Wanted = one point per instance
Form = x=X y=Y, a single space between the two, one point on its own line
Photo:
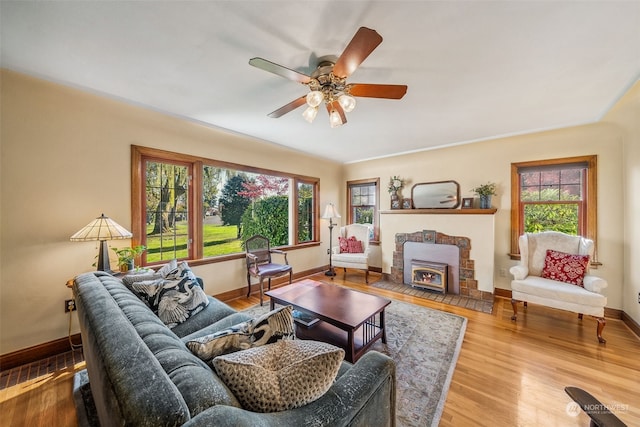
x=330 y=213
x=102 y=228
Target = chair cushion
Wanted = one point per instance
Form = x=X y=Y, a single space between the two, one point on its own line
x=554 y=290
x=359 y=258
x=271 y=269
x=564 y=267
x=265 y=329
x=280 y=376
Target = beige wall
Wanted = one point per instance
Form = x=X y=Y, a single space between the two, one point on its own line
x=66 y=160
x=474 y=164
x=626 y=116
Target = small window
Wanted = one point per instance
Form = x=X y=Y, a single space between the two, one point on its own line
x=553 y=195
x=363 y=207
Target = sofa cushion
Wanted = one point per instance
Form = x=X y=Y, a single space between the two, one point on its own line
x=280 y=376
x=139 y=276
x=265 y=329
x=235 y=338
x=174 y=301
x=564 y=267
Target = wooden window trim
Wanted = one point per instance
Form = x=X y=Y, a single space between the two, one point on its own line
x=591 y=220
x=138 y=195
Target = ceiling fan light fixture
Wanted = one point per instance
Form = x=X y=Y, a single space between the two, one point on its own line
x=310 y=114
x=314 y=98
x=347 y=102
x=334 y=119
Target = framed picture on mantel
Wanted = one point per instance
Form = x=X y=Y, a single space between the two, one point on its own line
x=406 y=203
x=467 y=203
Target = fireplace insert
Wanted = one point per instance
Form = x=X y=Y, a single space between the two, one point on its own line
x=429 y=275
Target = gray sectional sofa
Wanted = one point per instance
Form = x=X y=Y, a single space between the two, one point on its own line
x=142 y=374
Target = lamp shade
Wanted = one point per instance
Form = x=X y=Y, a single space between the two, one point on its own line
x=330 y=212
x=101 y=228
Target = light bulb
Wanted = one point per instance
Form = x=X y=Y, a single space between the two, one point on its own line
x=334 y=119
x=347 y=102
x=314 y=98
x=310 y=114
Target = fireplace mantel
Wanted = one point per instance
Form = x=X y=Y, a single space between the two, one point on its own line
x=439 y=212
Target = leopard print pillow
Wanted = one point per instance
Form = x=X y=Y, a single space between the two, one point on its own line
x=280 y=376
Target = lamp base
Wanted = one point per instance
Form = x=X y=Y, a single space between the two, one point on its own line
x=330 y=272
x=103 y=258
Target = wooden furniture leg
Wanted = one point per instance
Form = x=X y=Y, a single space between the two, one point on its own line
x=600 y=327
x=261 y=290
x=514 y=304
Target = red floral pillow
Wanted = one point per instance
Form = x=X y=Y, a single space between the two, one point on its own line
x=344 y=246
x=565 y=267
x=354 y=246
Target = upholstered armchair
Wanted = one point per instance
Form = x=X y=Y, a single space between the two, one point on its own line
x=559 y=278
x=358 y=260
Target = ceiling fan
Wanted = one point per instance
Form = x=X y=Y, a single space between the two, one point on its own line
x=328 y=83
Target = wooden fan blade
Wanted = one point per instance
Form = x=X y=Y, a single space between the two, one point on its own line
x=289 y=107
x=377 y=91
x=358 y=49
x=335 y=105
x=281 y=71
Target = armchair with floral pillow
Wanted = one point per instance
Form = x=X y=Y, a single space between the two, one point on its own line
x=353 y=249
x=554 y=271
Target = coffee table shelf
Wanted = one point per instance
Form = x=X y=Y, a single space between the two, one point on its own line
x=326 y=332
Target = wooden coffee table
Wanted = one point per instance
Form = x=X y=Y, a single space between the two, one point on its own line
x=349 y=319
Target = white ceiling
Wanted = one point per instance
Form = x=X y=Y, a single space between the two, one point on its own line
x=475 y=70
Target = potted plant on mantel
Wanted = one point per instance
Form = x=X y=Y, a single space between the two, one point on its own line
x=395 y=184
x=126 y=257
x=485 y=191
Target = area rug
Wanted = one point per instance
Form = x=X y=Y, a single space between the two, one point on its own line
x=451 y=299
x=424 y=343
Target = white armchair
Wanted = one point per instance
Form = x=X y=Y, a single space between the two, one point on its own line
x=528 y=285
x=358 y=261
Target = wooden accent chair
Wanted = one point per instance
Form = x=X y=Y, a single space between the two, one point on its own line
x=358 y=261
x=528 y=285
x=260 y=265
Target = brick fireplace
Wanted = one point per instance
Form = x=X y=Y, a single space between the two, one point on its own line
x=468 y=285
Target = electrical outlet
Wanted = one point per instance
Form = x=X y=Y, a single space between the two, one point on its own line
x=503 y=272
x=638 y=297
x=69 y=305
x=328 y=251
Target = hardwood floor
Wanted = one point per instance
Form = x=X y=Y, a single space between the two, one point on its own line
x=508 y=374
